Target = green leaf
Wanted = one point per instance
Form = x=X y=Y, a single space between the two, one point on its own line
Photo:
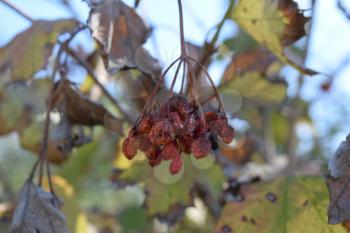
x=273 y=23
x=241 y=43
x=253 y=86
x=134 y=219
x=21 y=103
x=287 y=204
x=28 y=52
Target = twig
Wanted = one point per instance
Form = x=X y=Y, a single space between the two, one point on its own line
x=182 y=34
x=343 y=9
x=98 y=83
x=17 y=10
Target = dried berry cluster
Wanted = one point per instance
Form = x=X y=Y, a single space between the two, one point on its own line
x=176 y=127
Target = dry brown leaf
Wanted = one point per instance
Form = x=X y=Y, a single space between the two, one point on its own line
x=120 y=34
x=80 y=110
x=37 y=212
x=338 y=183
x=253 y=60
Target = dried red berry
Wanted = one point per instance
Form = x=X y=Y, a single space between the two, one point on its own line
x=210 y=116
x=175 y=120
x=217 y=125
x=184 y=108
x=156 y=161
x=227 y=133
x=128 y=149
x=176 y=165
x=170 y=151
x=153 y=152
x=201 y=147
x=186 y=142
x=202 y=126
x=145 y=124
x=191 y=123
x=162 y=133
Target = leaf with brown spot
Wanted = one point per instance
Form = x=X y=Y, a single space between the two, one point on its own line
x=37 y=211
x=338 y=183
x=252 y=60
x=120 y=34
x=279 y=206
x=254 y=75
x=275 y=24
x=28 y=52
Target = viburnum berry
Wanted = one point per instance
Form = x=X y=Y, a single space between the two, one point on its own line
x=184 y=108
x=162 y=133
x=210 y=116
x=153 y=152
x=176 y=127
x=186 y=142
x=145 y=124
x=155 y=161
x=175 y=120
x=227 y=133
x=175 y=165
x=191 y=123
x=128 y=149
x=202 y=126
x=170 y=151
x=201 y=147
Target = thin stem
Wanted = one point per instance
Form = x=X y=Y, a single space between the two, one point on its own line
x=17 y=10
x=95 y=79
x=182 y=34
x=221 y=105
x=221 y=24
x=43 y=151
x=175 y=77
x=183 y=79
x=194 y=92
x=160 y=81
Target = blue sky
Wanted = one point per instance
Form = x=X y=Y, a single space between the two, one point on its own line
x=329 y=44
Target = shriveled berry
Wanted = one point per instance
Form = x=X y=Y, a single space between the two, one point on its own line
x=186 y=142
x=172 y=103
x=217 y=125
x=155 y=161
x=145 y=124
x=227 y=133
x=140 y=141
x=162 y=133
x=175 y=120
x=170 y=151
x=153 y=152
x=210 y=116
x=191 y=123
x=175 y=165
x=202 y=126
x=201 y=147
x=184 y=108
x=128 y=149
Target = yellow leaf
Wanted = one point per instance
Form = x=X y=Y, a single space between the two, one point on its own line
x=273 y=23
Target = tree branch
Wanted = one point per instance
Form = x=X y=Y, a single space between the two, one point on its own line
x=17 y=10
x=98 y=83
